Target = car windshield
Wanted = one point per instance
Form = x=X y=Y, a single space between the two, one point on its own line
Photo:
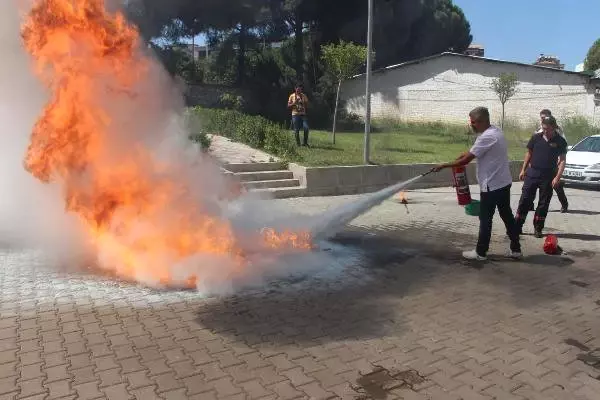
x=590 y=144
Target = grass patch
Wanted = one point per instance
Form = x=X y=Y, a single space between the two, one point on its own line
x=395 y=143
x=392 y=142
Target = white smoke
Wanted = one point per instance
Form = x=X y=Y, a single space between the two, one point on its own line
x=31 y=214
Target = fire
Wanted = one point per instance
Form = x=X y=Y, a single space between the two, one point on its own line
x=403 y=198
x=139 y=211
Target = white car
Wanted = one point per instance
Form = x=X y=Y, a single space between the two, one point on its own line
x=583 y=162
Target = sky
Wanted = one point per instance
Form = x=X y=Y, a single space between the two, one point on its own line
x=520 y=30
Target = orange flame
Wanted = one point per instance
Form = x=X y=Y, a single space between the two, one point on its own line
x=402 y=197
x=139 y=211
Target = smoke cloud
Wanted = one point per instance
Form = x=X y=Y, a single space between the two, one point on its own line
x=32 y=214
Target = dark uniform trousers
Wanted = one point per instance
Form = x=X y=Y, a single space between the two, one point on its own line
x=562 y=197
x=491 y=200
x=535 y=180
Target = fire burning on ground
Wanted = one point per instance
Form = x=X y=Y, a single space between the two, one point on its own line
x=143 y=216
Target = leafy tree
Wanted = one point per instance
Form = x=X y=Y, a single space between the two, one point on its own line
x=342 y=61
x=592 y=60
x=505 y=87
x=405 y=30
x=240 y=32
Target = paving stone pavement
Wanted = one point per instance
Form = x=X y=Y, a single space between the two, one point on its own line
x=408 y=320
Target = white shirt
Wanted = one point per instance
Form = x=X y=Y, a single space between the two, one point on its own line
x=491 y=151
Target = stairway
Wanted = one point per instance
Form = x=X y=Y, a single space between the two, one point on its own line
x=267 y=177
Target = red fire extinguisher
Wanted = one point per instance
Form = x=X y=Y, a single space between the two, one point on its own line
x=461 y=184
x=551 y=245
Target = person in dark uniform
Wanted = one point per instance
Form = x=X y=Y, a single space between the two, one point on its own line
x=541 y=171
x=560 y=189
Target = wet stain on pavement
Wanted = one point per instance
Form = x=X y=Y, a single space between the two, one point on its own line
x=579 y=283
x=589 y=357
x=577 y=343
x=378 y=383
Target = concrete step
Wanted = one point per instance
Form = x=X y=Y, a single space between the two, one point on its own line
x=254 y=167
x=264 y=175
x=284 y=192
x=272 y=183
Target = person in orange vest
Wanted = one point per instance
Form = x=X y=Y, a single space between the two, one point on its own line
x=298 y=103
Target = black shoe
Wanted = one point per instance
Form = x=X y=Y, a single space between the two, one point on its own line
x=538 y=234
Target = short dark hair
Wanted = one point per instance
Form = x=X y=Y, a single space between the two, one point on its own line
x=480 y=113
x=546 y=112
x=550 y=120
x=299 y=85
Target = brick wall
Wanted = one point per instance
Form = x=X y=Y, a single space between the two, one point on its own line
x=446 y=88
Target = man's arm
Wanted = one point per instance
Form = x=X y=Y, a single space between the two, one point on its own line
x=561 y=168
x=480 y=147
x=291 y=100
x=463 y=159
x=527 y=157
x=562 y=160
x=526 y=161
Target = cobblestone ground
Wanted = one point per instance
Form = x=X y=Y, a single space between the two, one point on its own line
x=408 y=320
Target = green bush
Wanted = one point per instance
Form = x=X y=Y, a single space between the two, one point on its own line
x=577 y=128
x=202 y=139
x=255 y=131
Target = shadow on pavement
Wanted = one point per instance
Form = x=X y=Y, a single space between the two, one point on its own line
x=355 y=306
x=548 y=260
x=367 y=301
x=579 y=236
x=579 y=212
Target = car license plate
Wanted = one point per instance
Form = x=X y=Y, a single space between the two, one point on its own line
x=574 y=173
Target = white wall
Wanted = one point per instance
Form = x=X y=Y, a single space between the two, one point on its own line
x=446 y=88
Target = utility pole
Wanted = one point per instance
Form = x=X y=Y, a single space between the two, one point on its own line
x=368 y=83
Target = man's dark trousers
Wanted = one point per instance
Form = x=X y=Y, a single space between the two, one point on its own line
x=489 y=201
x=534 y=180
x=562 y=197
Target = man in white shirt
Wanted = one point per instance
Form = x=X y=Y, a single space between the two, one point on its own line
x=495 y=181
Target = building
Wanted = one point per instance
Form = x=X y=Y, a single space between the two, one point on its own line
x=199 y=52
x=476 y=50
x=549 y=61
x=445 y=87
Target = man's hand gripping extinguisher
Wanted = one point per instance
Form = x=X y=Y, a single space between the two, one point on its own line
x=461 y=183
